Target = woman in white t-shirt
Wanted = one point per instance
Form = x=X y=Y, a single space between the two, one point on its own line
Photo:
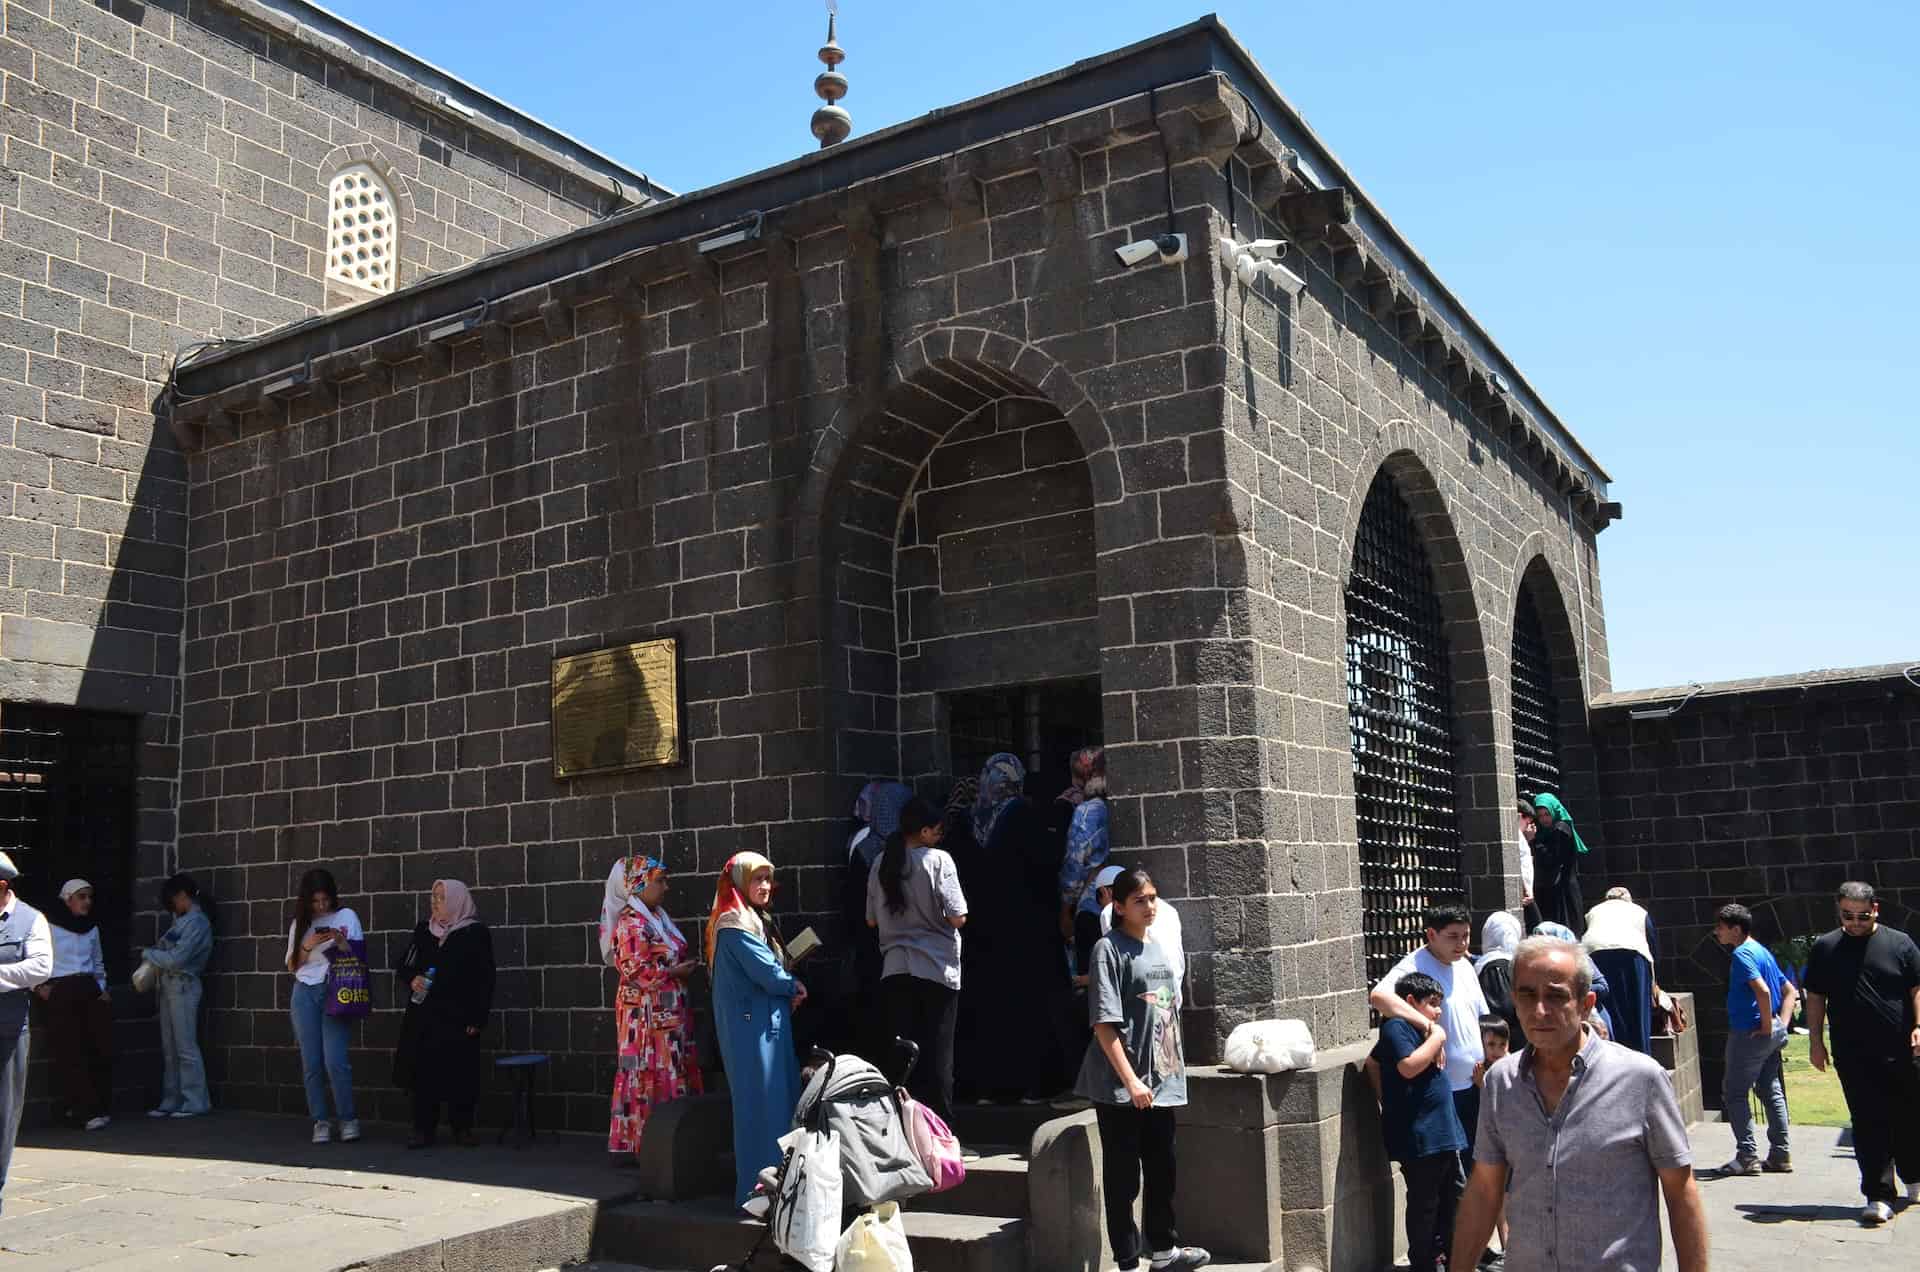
x=319 y=926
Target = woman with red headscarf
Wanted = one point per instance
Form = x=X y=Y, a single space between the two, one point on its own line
x=754 y=996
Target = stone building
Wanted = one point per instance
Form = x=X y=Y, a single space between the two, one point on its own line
x=179 y=173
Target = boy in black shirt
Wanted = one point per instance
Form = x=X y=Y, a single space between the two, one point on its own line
x=1417 y=1115
x=1863 y=984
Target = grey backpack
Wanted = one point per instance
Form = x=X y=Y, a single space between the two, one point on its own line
x=877 y=1162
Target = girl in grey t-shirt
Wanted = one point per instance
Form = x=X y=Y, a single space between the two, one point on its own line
x=915 y=902
x=1136 y=1075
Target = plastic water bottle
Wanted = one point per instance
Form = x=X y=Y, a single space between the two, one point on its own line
x=420 y=994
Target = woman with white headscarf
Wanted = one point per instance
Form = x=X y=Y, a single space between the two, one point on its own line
x=447 y=972
x=1499 y=938
x=653 y=1016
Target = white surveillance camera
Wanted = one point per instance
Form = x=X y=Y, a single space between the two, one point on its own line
x=1162 y=249
x=1268 y=249
x=1283 y=278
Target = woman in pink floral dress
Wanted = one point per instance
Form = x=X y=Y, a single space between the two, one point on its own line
x=653 y=1019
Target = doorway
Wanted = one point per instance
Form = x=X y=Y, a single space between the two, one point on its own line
x=1043 y=724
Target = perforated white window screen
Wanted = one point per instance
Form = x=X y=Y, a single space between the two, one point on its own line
x=362 y=238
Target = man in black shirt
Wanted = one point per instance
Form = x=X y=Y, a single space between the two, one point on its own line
x=1863 y=982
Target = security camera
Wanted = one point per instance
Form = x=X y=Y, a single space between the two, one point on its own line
x=1268 y=249
x=1163 y=249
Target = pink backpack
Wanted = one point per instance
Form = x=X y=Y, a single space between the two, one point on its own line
x=934 y=1145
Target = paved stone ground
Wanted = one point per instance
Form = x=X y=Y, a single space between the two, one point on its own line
x=236 y=1191
x=1806 y=1219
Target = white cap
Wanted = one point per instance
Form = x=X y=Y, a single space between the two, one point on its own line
x=1106 y=877
x=72 y=886
x=7 y=869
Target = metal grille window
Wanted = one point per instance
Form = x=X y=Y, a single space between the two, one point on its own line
x=67 y=809
x=1400 y=713
x=1536 y=710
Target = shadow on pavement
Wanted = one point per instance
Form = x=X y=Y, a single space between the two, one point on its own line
x=1798 y=1214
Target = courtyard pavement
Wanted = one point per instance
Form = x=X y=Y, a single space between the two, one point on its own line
x=239 y=1191
x=236 y=1191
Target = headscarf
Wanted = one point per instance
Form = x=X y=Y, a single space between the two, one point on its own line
x=61 y=917
x=863 y=803
x=1558 y=931
x=960 y=801
x=1499 y=936
x=884 y=805
x=8 y=870
x=629 y=878
x=731 y=909
x=461 y=911
x=1559 y=812
x=1002 y=780
x=1080 y=768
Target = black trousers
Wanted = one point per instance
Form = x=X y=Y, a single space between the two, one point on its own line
x=925 y=1013
x=1433 y=1193
x=426 y=1111
x=1137 y=1144
x=1883 y=1097
x=82 y=1030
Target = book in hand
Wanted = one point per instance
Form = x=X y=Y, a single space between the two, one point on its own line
x=802 y=945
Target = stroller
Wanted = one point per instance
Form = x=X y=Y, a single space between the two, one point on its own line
x=849 y=1148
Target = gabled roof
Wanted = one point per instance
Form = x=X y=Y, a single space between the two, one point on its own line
x=1200 y=48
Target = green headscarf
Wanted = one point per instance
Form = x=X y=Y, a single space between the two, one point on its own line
x=1559 y=813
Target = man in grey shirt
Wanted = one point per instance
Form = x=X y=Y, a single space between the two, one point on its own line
x=1575 y=1132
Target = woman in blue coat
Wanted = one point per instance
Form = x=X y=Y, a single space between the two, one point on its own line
x=754 y=996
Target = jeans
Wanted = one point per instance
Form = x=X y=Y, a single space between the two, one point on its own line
x=924 y=1012
x=1433 y=1194
x=183 y=1075
x=1753 y=1064
x=1883 y=1097
x=1136 y=1143
x=323 y=1053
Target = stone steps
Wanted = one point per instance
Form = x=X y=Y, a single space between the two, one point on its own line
x=695 y=1236
x=996 y=1185
x=978 y=1124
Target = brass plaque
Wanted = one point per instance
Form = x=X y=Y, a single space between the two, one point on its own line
x=617 y=708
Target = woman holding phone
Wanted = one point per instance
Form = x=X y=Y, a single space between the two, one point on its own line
x=322 y=930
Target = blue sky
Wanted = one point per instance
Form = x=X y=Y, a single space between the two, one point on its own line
x=1688 y=231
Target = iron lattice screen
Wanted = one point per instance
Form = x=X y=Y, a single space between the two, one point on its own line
x=1400 y=713
x=1536 y=710
x=67 y=808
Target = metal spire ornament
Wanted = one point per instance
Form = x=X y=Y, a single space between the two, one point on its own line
x=831 y=123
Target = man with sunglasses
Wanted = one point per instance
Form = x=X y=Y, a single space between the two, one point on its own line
x=1863 y=984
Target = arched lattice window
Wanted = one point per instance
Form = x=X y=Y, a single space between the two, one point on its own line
x=1400 y=713
x=362 y=236
x=1536 y=711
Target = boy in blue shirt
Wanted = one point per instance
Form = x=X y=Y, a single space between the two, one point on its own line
x=1422 y=1131
x=1760 y=1002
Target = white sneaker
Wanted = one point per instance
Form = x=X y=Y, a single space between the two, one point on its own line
x=1875 y=1213
x=323 y=1132
x=159 y=1112
x=349 y=1130
x=95 y=1123
x=1913 y=1193
x=186 y=1113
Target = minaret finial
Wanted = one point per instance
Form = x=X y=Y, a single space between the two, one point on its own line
x=831 y=123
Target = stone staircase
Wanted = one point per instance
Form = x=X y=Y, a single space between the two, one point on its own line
x=980 y=1226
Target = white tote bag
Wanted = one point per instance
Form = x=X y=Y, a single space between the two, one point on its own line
x=875 y=1242
x=806 y=1210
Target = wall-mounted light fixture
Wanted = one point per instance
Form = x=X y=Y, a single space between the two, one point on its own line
x=460 y=108
x=1670 y=710
x=454 y=328
x=289 y=384
x=745 y=232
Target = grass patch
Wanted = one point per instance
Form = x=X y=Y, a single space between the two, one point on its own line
x=1813 y=1097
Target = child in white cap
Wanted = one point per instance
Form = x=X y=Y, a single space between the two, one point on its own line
x=26 y=960
x=79 y=1012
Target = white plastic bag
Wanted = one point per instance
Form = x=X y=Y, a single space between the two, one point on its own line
x=875 y=1242
x=1270 y=1046
x=806 y=1210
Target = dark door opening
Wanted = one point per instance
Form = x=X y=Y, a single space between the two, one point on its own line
x=68 y=810
x=1043 y=724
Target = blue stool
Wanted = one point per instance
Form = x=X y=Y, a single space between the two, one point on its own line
x=522 y=1070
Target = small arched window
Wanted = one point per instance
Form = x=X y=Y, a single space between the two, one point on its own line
x=362 y=233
